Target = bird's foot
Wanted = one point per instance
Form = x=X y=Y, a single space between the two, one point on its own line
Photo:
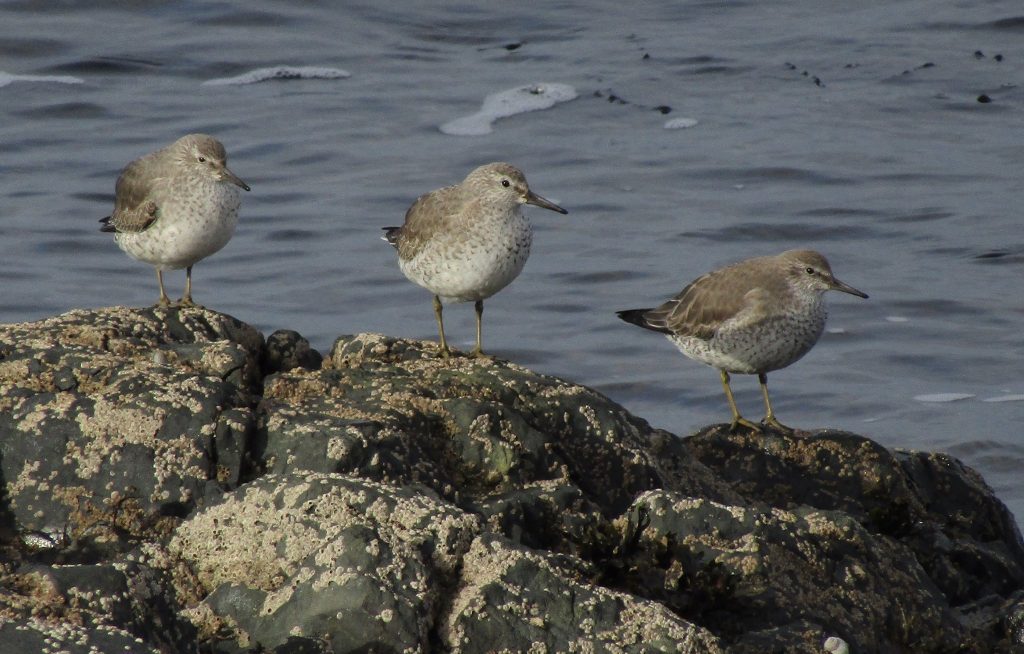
x=740 y=421
x=443 y=352
x=164 y=302
x=480 y=354
x=773 y=423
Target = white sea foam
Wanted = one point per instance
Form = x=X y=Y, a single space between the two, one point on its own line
x=943 y=397
x=1005 y=398
x=680 y=123
x=280 y=72
x=897 y=319
x=7 y=78
x=503 y=104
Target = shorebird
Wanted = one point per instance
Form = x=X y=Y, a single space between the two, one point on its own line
x=751 y=317
x=466 y=242
x=176 y=206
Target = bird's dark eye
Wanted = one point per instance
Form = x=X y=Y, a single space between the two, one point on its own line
x=810 y=271
x=202 y=159
x=506 y=183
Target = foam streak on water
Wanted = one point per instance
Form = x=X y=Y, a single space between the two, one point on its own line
x=280 y=72
x=7 y=78
x=520 y=100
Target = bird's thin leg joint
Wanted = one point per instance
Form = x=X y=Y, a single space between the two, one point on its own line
x=445 y=352
x=769 y=415
x=737 y=419
x=164 y=300
x=479 y=307
x=186 y=299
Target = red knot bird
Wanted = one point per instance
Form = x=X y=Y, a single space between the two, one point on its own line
x=176 y=206
x=751 y=317
x=466 y=242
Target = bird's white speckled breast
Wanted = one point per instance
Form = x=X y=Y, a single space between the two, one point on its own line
x=475 y=263
x=195 y=220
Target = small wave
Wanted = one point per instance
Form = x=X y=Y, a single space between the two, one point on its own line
x=897 y=319
x=943 y=397
x=533 y=97
x=680 y=123
x=7 y=78
x=280 y=72
x=1005 y=398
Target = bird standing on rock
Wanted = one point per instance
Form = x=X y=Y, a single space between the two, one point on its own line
x=466 y=242
x=176 y=206
x=752 y=317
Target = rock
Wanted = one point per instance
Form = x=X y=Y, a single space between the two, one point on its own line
x=486 y=435
x=533 y=601
x=35 y=635
x=169 y=482
x=1013 y=619
x=287 y=350
x=768 y=579
x=961 y=535
x=328 y=558
x=111 y=419
x=135 y=597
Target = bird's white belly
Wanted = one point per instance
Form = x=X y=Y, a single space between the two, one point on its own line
x=769 y=345
x=474 y=265
x=186 y=230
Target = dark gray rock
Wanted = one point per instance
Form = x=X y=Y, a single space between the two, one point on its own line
x=351 y=562
x=483 y=434
x=36 y=635
x=166 y=476
x=528 y=600
x=287 y=350
x=933 y=506
x=110 y=419
x=135 y=597
x=769 y=579
x=1013 y=620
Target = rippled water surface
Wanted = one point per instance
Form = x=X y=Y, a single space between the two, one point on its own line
x=860 y=130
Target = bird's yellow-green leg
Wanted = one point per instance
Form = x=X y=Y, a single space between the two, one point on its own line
x=186 y=299
x=479 y=351
x=445 y=352
x=164 y=300
x=769 y=415
x=737 y=419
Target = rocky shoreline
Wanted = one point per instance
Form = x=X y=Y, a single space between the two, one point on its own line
x=174 y=482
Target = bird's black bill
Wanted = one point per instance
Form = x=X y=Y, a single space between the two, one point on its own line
x=846 y=288
x=234 y=179
x=538 y=201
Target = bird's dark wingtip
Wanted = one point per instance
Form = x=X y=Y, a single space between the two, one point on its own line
x=107 y=225
x=391 y=235
x=634 y=317
x=641 y=318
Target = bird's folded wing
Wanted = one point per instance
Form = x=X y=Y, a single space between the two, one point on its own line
x=134 y=210
x=134 y=220
x=709 y=302
x=422 y=219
